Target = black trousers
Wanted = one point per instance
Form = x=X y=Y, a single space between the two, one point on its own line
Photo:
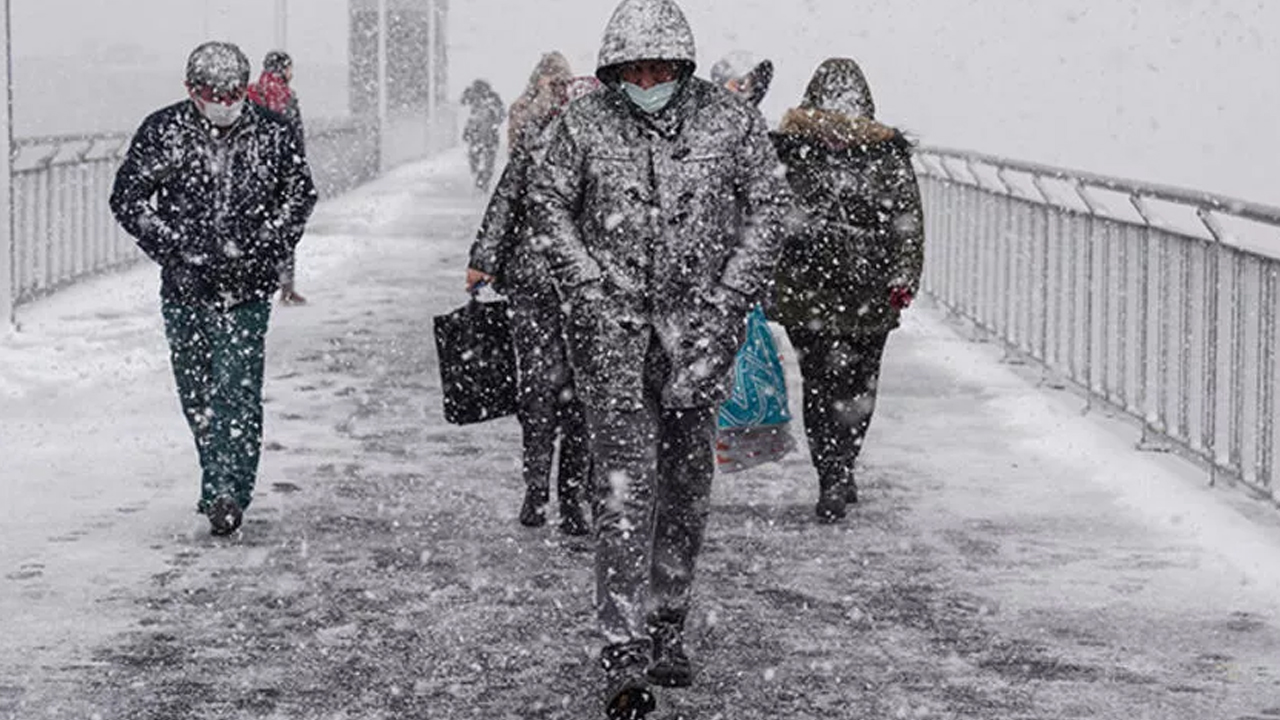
x=547 y=405
x=841 y=377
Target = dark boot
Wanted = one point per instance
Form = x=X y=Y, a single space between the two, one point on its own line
x=670 y=666
x=627 y=695
x=832 y=502
x=573 y=519
x=224 y=515
x=534 y=511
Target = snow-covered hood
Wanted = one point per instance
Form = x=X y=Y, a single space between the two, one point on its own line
x=839 y=85
x=646 y=30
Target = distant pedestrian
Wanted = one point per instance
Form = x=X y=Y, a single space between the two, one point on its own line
x=845 y=278
x=481 y=131
x=217 y=192
x=744 y=75
x=274 y=91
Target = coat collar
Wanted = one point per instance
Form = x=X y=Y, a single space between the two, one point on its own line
x=837 y=130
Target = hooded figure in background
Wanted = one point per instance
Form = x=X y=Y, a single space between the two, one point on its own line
x=481 y=131
x=659 y=206
x=502 y=256
x=742 y=74
x=274 y=91
x=544 y=96
x=851 y=269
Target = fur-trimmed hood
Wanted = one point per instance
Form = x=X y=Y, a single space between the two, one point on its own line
x=839 y=131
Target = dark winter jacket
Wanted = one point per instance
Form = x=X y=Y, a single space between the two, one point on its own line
x=218 y=210
x=863 y=230
x=664 y=224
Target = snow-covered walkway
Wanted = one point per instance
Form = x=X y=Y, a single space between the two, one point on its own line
x=1012 y=558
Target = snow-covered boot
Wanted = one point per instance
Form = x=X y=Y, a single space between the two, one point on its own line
x=224 y=515
x=670 y=666
x=832 y=502
x=626 y=689
x=534 y=511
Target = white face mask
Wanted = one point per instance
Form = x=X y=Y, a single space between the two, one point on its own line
x=219 y=114
x=655 y=98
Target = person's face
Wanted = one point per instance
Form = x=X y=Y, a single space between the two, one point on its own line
x=647 y=73
x=288 y=74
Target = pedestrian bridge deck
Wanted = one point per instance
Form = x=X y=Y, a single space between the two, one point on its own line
x=1013 y=557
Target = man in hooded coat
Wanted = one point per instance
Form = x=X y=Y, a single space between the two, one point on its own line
x=659 y=205
x=852 y=268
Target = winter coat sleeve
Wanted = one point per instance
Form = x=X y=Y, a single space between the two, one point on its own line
x=908 y=222
x=555 y=200
x=764 y=196
x=137 y=181
x=499 y=230
x=297 y=191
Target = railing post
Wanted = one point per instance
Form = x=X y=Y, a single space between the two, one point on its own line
x=7 y=292
x=383 y=90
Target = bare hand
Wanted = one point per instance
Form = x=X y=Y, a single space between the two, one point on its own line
x=476 y=278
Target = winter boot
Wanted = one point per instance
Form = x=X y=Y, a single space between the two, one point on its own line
x=224 y=515
x=573 y=521
x=626 y=690
x=670 y=666
x=832 y=503
x=534 y=511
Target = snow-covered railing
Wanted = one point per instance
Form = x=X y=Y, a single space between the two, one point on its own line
x=1157 y=300
x=63 y=229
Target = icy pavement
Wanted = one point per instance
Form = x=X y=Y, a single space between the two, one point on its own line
x=1012 y=558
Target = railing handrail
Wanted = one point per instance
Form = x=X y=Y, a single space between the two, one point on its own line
x=1199 y=200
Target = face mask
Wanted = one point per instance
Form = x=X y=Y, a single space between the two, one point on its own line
x=654 y=99
x=221 y=115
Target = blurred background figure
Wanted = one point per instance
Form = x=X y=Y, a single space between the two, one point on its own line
x=744 y=74
x=481 y=131
x=274 y=92
x=850 y=268
x=545 y=94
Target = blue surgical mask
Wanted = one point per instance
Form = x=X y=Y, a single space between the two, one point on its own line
x=654 y=99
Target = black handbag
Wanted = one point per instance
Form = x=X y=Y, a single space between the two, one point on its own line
x=477 y=362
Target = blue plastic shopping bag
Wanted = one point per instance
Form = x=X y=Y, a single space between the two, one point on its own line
x=755 y=422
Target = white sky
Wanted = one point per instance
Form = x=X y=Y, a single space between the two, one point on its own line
x=1160 y=90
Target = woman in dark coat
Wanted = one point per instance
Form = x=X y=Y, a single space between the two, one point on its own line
x=503 y=253
x=850 y=269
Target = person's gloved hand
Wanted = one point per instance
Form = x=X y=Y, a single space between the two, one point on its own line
x=900 y=297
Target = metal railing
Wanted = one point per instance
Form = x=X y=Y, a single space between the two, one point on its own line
x=1157 y=300
x=63 y=229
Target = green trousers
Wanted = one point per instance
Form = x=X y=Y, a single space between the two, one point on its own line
x=218 y=358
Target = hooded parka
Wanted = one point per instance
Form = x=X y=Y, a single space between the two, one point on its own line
x=862 y=231
x=663 y=224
